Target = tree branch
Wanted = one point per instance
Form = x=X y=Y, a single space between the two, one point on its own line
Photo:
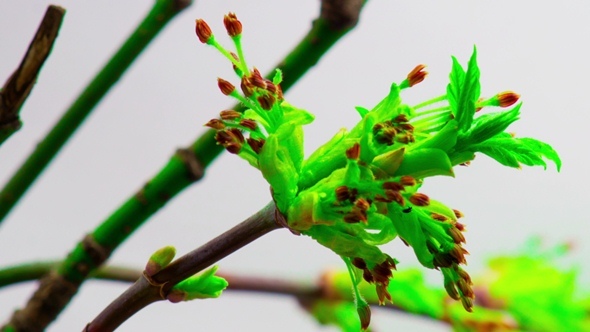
x=149 y=289
x=162 y=12
x=184 y=168
x=21 y=82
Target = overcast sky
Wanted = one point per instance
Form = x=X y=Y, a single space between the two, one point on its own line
x=164 y=99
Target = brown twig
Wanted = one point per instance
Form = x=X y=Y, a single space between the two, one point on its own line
x=150 y=289
x=19 y=85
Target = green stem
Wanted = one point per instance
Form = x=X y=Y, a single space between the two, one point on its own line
x=184 y=168
x=160 y=14
x=431 y=101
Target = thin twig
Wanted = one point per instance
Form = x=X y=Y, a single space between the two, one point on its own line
x=21 y=82
x=149 y=289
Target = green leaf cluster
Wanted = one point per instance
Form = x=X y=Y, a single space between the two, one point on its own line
x=360 y=190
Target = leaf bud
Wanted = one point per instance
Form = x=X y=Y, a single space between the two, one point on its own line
x=159 y=260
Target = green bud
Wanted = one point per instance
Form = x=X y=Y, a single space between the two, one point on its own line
x=200 y=286
x=423 y=163
x=159 y=260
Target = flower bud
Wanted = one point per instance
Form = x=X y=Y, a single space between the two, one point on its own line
x=417 y=75
x=507 y=98
x=407 y=181
x=266 y=102
x=255 y=144
x=203 y=31
x=364 y=311
x=229 y=115
x=353 y=152
x=215 y=124
x=419 y=199
x=248 y=123
x=232 y=25
x=226 y=87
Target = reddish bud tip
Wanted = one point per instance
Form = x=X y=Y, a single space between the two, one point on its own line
x=255 y=144
x=407 y=180
x=353 y=152
x=507 y=98
x=458 y=213
x=248 y=123
x=247 y=87
x=203 y=31
x=419 y=199
x=417 y=75
x=229 y=115
x=215 y=124
x=266 y=102
x=342 y=193
x=393 y=186
x=364 y=312
x=226 y=87
x=232 y=25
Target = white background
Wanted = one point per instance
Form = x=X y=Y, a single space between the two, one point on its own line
x=537 y=49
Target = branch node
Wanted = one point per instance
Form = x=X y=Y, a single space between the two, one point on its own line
x=193 y=166
x=341 y=15
x=159 y=285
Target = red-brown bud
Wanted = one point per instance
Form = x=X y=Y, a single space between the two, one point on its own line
x=215 y=124
x=229 y=115
x=417 y=75
x=232 y=25
x=353 y=152
x=400 y=118
x=407 y=180
x=458 y=214
x=226 y=87
x=507 y=98
x=203 y=31
x=248 y=123
x=266 y=102
x=247 y=87
x=342 y=193
x=456 y=234
x=395 y=196
x=270 y=87
x=364 y=312
x=362 y=204
x=255 y=144
x=393 y=186
x=420 y=199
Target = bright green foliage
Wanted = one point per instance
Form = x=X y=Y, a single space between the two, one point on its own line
x=361 y=189
x=523 y=292
x=338 y=313
x=540 y=296
x=200 y=286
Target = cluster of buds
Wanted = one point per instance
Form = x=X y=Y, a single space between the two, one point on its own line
x=260 y=95
x=395 y=130
x=360 y=189
x=380 y=274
